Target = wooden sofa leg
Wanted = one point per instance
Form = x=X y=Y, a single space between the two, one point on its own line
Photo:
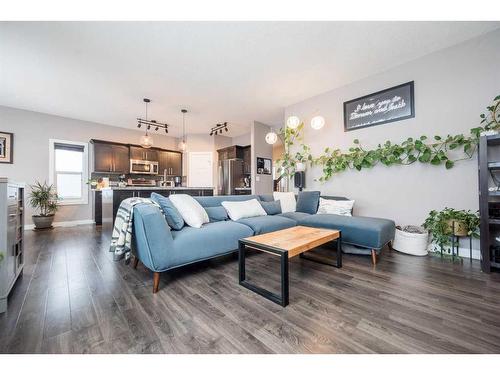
x=136 y=262
x=156 y=281
x=374 y=257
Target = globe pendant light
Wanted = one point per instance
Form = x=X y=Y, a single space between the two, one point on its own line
x=293 y=122
x=271 y=137
x=146 y=139
x=317 y=122
x=182 y=143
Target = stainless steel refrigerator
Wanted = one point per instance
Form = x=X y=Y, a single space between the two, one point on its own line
x=230 y=176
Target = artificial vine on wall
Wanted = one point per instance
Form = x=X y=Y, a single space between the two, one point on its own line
x=436 y=151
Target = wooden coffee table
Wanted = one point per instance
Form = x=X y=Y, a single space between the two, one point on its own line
x=286 y=244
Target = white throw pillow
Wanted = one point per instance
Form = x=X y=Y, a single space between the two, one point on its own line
x=243 y=209
x=191 y=211
x=331 y=206
x=287 y=201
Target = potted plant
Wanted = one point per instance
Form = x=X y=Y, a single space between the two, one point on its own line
x=442 y=224
x=43 y=197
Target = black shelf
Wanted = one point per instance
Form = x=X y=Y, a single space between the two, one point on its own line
x=493 y=140
x=494 y=165
x=489 y=202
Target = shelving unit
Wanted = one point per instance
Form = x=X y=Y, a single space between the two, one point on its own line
x=489 y=201
x=11 y=236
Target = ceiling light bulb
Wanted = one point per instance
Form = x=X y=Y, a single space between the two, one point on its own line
x=317 y=122
x=225 y=128
x=166 y=130
x=156 y=128
x=293 y=122
x=139 y=125
x=146 y=141
x=271 y=137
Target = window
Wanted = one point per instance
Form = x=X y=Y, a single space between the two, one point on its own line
x=68 y=171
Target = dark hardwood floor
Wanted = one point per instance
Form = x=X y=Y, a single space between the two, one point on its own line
x=74 y=299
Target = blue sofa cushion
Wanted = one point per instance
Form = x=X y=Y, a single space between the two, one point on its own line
x=368 y=232
x=212 y=239
x=271 y=208
x=294 y=215
x=218 y=213
x=265 y=224
x=174 y=218
x=308 y=202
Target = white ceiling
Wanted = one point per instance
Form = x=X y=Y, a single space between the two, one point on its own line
x=220 y=71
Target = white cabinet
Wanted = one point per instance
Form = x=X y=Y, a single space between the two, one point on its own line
x=11 y=236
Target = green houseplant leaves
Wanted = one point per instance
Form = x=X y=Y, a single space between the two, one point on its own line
x=436 y=151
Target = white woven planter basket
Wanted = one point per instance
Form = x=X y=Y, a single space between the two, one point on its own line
x=411 y=243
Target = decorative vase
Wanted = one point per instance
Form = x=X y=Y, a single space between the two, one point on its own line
x=300 y=167
x=43 y=222
x=457 y=227
x=411 y=243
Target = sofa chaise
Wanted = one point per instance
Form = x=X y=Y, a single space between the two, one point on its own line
x=161 y=249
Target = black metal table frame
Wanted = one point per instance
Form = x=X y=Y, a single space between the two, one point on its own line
x=282 y=299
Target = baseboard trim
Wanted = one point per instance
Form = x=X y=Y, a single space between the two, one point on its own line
x=72 y=223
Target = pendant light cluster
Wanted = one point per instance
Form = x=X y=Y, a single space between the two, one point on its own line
x=292 y=122
x=146 y=139
x=218 y=128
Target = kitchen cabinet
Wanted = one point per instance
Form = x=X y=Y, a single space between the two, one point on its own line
x=140 y=153
x=121 y=160
x=175 y=160
x=238 y=152
x=247 y=160
x=110 y=157
x=171 y=161
x=118 y=195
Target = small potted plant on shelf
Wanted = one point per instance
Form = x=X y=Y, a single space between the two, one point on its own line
x=43 y=197
x=443 y=224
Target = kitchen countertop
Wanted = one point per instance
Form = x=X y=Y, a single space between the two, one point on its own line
x=159 y=188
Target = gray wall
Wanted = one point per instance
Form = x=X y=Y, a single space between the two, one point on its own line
x=261 y=183
x=32 y=131
x=452 y=87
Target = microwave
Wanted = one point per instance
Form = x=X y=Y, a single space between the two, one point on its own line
x=143 y=167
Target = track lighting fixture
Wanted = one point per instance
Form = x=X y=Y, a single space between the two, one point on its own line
x=218 y=128
x=146 y=140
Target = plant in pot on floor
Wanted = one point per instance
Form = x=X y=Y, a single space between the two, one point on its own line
x=443 y=224
x=43 y=198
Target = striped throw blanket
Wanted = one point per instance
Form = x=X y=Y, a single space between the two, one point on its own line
x=121 y=239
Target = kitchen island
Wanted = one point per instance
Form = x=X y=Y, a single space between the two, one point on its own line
x=107 y=201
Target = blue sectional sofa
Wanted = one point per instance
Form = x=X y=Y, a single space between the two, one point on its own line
x=161 y=249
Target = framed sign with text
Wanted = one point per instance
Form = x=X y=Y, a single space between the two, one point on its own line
x=392 y=104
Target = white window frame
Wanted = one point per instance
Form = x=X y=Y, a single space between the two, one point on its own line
x=85 y=171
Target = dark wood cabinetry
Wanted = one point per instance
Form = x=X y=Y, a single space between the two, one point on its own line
x=140 y=153
x=238 y=152
x=120 y=195
x=111 y=158
x=247 y=160
x=171 y=162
